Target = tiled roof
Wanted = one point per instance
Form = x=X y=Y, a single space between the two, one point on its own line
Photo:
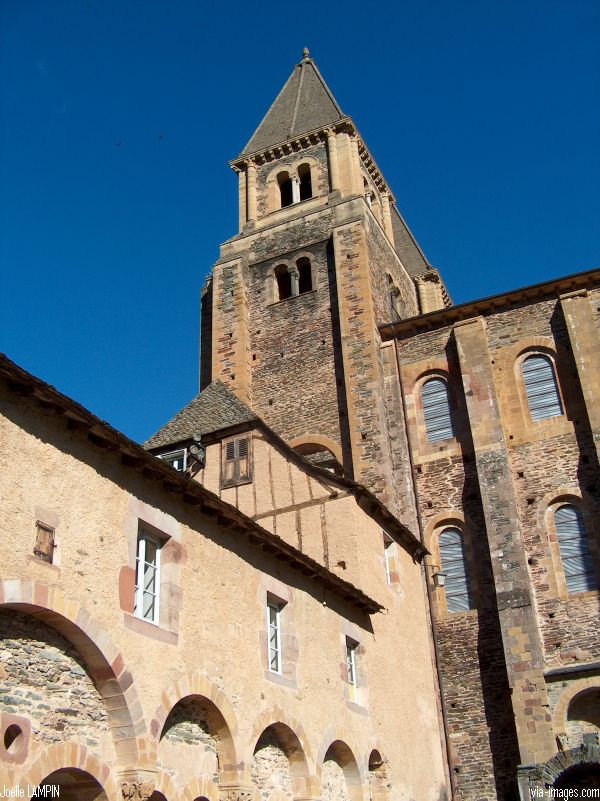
x=304 y=104
x=214 y=409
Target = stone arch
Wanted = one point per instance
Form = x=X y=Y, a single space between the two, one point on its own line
x=342 y=777
x=566 y=699
x=104 y=662
x=307 y=440
x=164 y=784
x=379 y=780
x=555 y=768
x=200 y=788
x=274 y=730
x=74 y=757
x=196 y=686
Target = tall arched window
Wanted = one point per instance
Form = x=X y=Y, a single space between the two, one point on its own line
x=305 y=181
x=285 y=189
x=304 y=275
x=436 y=410
x=541 y=388
x=454 y=565
x=284 y=282
x=575 y=555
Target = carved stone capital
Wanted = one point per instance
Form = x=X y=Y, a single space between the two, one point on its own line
x=236 y=794
x=137 y=791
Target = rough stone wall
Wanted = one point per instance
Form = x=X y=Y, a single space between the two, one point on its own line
x=43 y=678
x=270 y=770
x=333 y=782
x=319 y=187
x=383 y=262
x=293 y=360
x=187 y=729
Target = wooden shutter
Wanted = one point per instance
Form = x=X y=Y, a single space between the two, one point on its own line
x=540 y=386
x=236 y=464
x=575 y=555
x=436 y=410
x=44 y=542
x=452 y=556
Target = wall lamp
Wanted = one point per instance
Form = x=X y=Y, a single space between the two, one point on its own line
x=439 y=577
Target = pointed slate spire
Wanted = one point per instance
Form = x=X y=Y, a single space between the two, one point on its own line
x=304 y=104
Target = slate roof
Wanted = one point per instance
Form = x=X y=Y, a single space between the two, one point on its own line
x=213 y=409
x=304 y=104
x=406 y=246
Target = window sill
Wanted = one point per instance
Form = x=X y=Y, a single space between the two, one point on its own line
x=354 y=706
x=149 y=629
x=278 y=678
x=292 y=297
x=35 y=560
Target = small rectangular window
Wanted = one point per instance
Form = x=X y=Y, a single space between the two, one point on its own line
x=177 y=459
x=147 y=578
x=274 y=635
x=351 y=667
x=44 y=542
x=388 y=556
x=235 y=461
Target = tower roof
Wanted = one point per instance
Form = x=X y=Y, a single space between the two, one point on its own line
x=304 y=104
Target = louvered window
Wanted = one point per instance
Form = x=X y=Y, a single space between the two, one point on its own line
x=454 y=565
x=540 y=386
x=236 y=463
x=575 y=553
x=436 y=410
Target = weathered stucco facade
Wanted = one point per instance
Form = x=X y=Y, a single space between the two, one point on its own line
x=380 y=544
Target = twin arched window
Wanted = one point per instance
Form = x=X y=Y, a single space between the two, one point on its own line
x=294 y=188
x=294 y=280
x=454 y=565
x=575 y=554
x=436 y=410
x=540 y=387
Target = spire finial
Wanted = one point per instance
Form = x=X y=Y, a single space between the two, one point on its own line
x=305 y=54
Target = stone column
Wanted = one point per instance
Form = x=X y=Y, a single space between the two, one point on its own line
x=242 y=206
x=294 y=280
x=585 y=345
x=387 y=215
x=357 y=184
x=295 y=189
x=251 y=181
x=334 y=166
x=521 y=642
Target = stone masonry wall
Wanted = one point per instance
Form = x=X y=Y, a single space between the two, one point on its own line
x=187 y=730
x=270 y=770
x=333 y=782
x=383 y=262
x=43 y=679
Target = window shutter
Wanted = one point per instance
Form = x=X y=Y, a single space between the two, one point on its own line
x=44 y=542
x=243 y=465
x=575 y=555
x=541 y=389
x=436 y=410
x=236 y=467
x=452 y=556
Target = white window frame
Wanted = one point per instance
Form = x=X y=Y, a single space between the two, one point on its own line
x=351 y=647
x=172 y=456
x=388 y=544
x=274 y=631
x=138 y=607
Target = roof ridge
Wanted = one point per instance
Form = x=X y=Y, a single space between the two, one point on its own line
x=298 y=93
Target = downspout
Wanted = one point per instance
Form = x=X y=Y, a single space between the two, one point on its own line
x=436 y=650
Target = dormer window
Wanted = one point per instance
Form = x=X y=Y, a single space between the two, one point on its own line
x=177 y=459
x=305 y=181
x=285 y=189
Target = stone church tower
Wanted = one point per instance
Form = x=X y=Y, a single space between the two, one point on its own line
x=322 y=257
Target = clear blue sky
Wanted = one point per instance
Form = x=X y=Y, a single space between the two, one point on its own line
x=119 y=116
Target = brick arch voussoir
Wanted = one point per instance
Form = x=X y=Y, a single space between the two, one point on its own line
x=318 y=439
x=344 y=736
x=102 y=658
x=163 y=783
x=582 y=755
x=196 y=685
x=69 y=755
x=276 y=715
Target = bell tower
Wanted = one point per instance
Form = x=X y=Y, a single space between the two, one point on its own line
x=290 y=313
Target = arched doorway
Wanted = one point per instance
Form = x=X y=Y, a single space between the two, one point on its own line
x=579 y=777
x=71 y=784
